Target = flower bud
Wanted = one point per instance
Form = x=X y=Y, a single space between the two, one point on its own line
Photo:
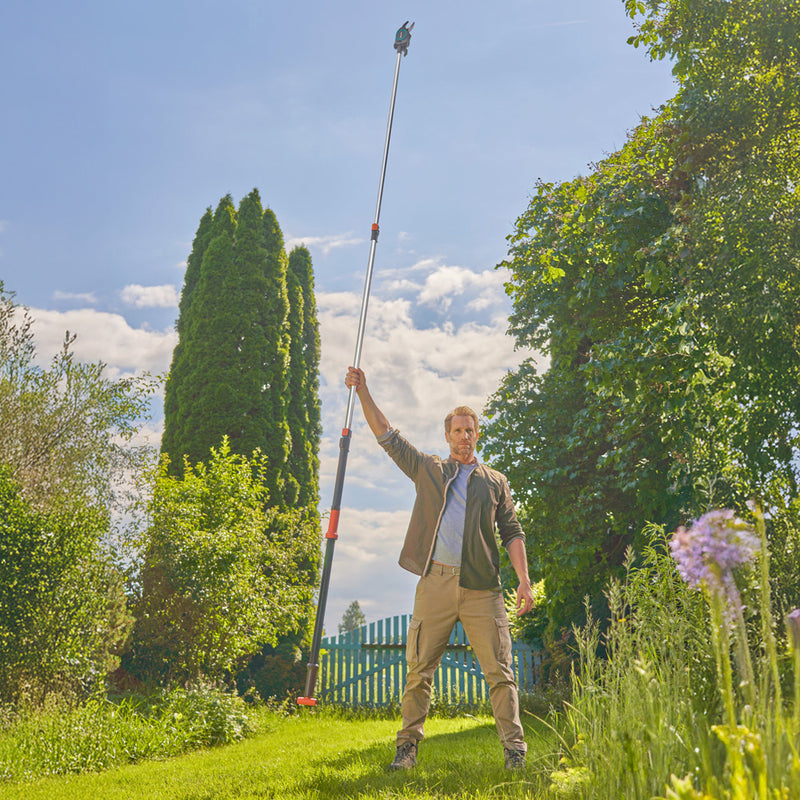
x=793 y=627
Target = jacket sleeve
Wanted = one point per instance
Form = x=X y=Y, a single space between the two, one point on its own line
x=403 y=453
x=508 y=526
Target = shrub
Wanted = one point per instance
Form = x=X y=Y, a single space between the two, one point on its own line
x=62 y=609
x=220 y=575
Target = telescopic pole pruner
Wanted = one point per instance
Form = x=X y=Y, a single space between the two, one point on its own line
x=402 y=40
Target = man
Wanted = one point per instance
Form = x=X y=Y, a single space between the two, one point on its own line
x=451 y=545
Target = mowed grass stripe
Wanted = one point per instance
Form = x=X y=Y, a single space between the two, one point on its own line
x=318 y=756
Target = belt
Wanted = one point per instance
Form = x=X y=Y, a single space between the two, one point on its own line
x=443 y=569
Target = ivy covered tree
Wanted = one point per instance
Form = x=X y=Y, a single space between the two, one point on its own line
x=665 y=288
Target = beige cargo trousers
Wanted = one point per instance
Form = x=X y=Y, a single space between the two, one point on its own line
x=439 y=603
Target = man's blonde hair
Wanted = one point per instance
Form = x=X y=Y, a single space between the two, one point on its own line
x=460 y=411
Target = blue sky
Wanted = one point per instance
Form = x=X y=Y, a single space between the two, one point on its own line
x=123 y=122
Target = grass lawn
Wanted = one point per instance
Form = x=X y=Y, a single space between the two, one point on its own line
x=321 y=755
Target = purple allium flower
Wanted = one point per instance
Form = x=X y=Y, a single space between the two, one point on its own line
x=707 y=552
x=793 y=626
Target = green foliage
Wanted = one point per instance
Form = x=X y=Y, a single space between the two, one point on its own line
x=783 y=533
x=665 y=289
x=98 y=734
x=638 y=713
x=303 y=406
x=220 y=574
x=65 y=431
x=277 y=673
x=230 y=369
x=247 y=361
x=63 y=613
x=681 y=704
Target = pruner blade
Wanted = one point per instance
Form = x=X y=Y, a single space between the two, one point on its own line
x=402 y=39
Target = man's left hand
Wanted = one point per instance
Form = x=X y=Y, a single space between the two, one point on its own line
x=524 y=599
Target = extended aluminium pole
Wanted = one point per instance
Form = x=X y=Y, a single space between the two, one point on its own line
x=402 y=40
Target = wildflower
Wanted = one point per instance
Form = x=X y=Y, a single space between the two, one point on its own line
x=793 y=626
x=707 y=553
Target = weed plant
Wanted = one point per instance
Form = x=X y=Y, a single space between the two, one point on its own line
x=67 y=737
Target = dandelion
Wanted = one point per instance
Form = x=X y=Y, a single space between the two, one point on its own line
x=710 y=549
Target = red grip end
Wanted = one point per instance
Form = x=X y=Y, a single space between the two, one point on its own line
x=306 y=701
x=333 y=525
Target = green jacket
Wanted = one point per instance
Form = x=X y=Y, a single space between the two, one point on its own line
x=489 y=506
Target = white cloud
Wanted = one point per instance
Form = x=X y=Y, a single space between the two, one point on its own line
x=448 y=282
x=324 y=243
x=81 y=297
x=443 y=283
x=404 y=285
x=164 y=296
x=106 y=337
x=365 y=567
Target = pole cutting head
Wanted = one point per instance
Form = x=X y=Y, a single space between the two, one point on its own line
x=402 y=39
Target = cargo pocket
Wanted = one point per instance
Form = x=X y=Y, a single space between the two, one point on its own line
x=412 y=640
x=503 y=639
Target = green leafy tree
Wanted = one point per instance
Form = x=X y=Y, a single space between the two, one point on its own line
x=664 y=287
x=219 y=574
x=352 y=619
x=68 y=464
x=66 y=431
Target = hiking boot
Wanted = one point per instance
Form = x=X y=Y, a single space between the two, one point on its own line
x=515 y=759
x=406 y=756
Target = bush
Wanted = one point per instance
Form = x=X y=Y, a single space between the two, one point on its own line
x=220 y=576
x=274 y=674
x=62 y=609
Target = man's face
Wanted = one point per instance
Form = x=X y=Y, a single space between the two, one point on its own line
x=461 y=438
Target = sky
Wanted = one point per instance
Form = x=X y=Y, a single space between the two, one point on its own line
x=123 y=123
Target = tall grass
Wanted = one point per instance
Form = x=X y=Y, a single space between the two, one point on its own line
x=68 y=737
x=680 y=704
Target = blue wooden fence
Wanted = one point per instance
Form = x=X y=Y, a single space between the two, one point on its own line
x=368 y=666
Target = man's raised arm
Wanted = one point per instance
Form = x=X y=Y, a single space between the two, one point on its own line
x=374 y=416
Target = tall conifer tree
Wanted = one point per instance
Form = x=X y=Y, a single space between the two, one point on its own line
x=276 y=356
x=230 y=372
x=304 y=377
x=172 y=421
